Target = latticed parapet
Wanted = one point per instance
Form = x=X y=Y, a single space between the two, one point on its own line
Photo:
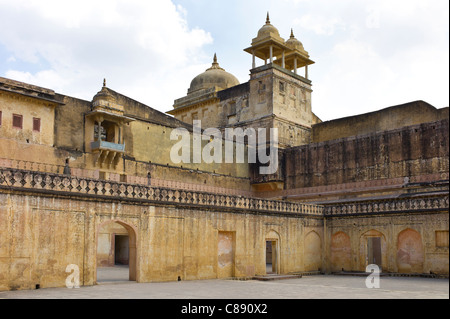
x=433 y=203
x=57 y=184
x=63 y=185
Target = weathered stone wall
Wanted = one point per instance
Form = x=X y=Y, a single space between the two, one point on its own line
x=69 y=123
x=271 y=93
x=411 y=151
x=44 y=232
x=408 y=242
x=50 y=221
x=394 y=117
x=28 y=108
x=64 y=136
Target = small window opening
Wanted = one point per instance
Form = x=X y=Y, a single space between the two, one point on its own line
x=36 y=124
x=17 y=121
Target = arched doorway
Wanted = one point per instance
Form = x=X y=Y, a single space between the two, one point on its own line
x=116 y=252
x=372 y=250
x=272 y=253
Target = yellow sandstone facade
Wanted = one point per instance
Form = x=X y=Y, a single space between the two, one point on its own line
x=93 y=183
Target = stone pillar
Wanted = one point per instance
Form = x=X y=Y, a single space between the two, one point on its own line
x=295 y=65
x=99 y=131
x=306 y=72
x=253 y=60
x=116 y=134
x=282 y=61
x=271 y=54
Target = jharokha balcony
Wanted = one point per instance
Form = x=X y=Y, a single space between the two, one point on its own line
x=107 y=153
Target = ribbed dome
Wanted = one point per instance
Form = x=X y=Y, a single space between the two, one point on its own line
x=268 y=30
x=215 y=76
x=293 y=43
x=104 y=95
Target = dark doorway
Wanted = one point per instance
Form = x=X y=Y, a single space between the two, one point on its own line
x=121 y=250
x=271 y=257
x=374 y=250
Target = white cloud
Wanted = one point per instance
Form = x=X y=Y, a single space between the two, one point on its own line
x=369 y=54
x=375 y=53
x=52 y=79
x=135 y=44
x=361 y=79
x=321 y=25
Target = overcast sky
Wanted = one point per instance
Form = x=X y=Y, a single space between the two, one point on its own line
x=369 y=54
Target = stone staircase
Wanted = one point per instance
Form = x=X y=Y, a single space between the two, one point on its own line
x=270 y=277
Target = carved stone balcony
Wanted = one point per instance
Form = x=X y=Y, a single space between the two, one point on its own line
x=107 y=153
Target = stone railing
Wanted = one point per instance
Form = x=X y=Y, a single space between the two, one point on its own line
x=114 y=177
x=435 y=203
x=57 y=184
x=44 y=182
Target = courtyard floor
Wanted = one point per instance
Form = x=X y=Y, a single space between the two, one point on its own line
x=113 y=284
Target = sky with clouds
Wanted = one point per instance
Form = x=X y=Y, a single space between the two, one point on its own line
x=369 y=54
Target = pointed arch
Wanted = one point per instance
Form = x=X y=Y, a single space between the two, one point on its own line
x=312 y=251
x=132 y=245
x=410 y=252
x=372 y=249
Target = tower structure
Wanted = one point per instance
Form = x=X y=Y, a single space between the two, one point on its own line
x=277 y=91
x=276 y=96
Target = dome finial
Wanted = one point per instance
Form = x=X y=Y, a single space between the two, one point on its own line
x=215 y=64
x=292 y=33
x=267 y=19
x=104 y=82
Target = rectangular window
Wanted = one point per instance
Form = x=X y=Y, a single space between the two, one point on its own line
x=261 y=87
x=0 y=118
x=442 y=238
x=232 y=110
x=194 y=117
x=17 y=121
x=36 y=124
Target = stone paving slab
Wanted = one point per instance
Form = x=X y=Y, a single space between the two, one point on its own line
x=308 y=287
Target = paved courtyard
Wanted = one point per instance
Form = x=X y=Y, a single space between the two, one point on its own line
x=113 y=284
